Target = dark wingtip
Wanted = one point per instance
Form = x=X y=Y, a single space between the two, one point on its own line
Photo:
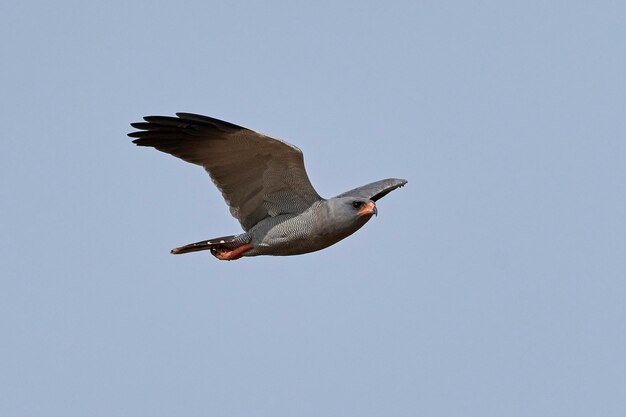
x=193 y=117
x=184 y=124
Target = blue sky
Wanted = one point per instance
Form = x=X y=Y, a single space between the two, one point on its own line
x=492 y=284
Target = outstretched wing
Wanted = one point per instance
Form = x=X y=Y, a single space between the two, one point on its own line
x=258 y=176
x=375 y=190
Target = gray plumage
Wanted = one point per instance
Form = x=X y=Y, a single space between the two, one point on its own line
x=265 y=184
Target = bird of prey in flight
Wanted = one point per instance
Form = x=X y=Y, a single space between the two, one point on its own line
x=264 y=183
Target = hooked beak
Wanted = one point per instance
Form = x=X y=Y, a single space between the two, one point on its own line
x=369 y=208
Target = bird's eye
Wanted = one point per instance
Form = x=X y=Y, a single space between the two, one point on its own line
x=357 y=204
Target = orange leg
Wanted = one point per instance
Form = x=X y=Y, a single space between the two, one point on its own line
x=231 y=255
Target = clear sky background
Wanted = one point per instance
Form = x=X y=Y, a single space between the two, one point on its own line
x=493 y=284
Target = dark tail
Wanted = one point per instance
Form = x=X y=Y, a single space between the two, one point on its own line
x=226 y=242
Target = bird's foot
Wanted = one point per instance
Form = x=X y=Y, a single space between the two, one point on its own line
x=230 y=255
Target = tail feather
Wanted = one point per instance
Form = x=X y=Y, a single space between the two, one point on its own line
x=227 y=242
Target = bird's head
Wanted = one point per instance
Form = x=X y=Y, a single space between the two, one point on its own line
x=345 y=215
x=363 y=208
x=352 y=209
